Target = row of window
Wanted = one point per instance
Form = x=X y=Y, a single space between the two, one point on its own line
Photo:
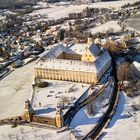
x=62 y=75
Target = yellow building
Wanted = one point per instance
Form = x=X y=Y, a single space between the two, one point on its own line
x=91 y=53
x=83 y=63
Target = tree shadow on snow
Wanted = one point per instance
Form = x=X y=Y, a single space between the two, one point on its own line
x=83 y=119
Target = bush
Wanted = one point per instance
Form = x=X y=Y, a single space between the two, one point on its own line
x=43 y=84
x=136 y=107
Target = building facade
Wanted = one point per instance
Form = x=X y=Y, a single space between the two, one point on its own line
x=66 y=75
x=62 y=63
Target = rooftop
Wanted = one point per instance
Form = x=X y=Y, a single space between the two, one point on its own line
x=56 y=50
x=73 y=65
x=79 y=48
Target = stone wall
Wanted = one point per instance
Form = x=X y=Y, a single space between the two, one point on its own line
x=44 y=120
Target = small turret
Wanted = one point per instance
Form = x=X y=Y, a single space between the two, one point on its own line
x=59 y=117
x=27 y=111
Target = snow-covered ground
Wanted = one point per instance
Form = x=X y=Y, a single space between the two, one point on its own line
x=54 y=93
x=104 y=27
x=14 y=90
x=133 y=22
x=83 y=125
x=30 y=133
x=40 y=5
x=123 y=125
x=2 y=17
x=56 y=12
x=137 y=65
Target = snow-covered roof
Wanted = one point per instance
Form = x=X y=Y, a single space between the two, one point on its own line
x=74 y=65
x=63 y=64
x=55 y=51
x=94 y=49
x=79 y=48
x=102 y=60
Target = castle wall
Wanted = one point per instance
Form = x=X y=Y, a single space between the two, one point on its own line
x=44 y=120
x=12 y=3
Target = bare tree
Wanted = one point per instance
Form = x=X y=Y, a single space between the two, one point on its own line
x=123 y=71
x=90 y=108
x=114 y=47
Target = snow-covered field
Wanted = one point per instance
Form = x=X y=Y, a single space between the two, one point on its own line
x=30 y=133
x=104 y=27
x=14 y=90
x=56 y=12
x=124 y=126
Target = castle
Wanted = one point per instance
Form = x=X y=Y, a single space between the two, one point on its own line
x=85 y=64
